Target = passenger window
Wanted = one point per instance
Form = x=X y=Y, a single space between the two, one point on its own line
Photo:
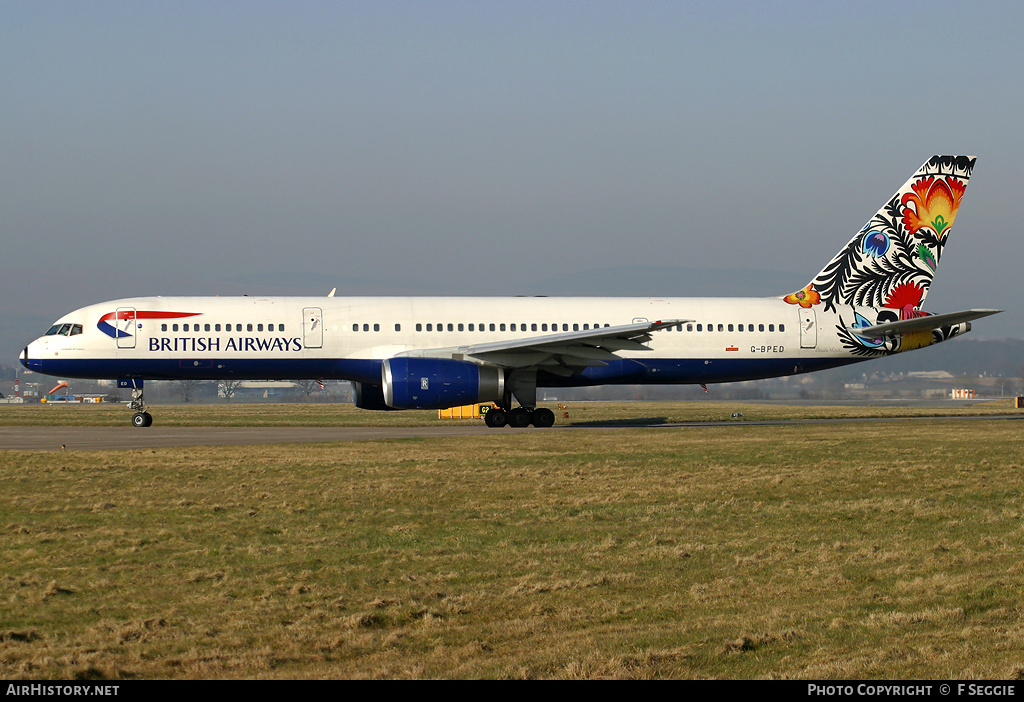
x=355 y=327
x=163 y=327
x=543 y=327
x=259 y=327
x=419 y=326
x=512 y=327
x=206 y=327
x=492 y=326
x=270 y=327
x=376 y=327
x=471 y=328
x=366 y=327
x=451 y=327
x=782 y=327
x=689 y=328
x=771 y=327
x=398 y=327
x=216 y=327
x=430 y=327
x=700 y=327
x=174 y=327
x=501 y=327
x=730 y=327
x=533 y=327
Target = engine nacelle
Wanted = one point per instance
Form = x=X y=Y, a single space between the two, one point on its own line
x=438 y=383
x=370 y=397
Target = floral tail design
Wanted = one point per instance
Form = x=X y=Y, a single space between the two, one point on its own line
x=891 y=261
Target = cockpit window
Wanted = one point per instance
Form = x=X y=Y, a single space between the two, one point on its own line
x=64 y=330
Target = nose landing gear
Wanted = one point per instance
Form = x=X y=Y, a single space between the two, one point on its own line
x=141 y=418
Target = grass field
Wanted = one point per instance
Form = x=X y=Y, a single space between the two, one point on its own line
x=806 y=551
x=579 y=413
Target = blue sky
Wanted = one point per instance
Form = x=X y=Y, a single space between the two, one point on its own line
x=490 y=147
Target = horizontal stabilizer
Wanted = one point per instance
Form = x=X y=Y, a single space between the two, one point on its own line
x=919 y=324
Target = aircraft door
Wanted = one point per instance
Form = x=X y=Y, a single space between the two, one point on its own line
x=312 y=328
x=124 y=324
x=808 y=328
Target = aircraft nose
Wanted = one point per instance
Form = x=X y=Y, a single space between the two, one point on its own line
x=30 y=357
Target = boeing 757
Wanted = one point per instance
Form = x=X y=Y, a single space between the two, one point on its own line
x=439 y=352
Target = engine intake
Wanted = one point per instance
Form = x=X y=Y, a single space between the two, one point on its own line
x=438 y=383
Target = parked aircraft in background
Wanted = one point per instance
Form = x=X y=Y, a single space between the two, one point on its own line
x=439 y=352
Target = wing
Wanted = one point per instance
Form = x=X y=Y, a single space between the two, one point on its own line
x=918 y=324
x=562 y=353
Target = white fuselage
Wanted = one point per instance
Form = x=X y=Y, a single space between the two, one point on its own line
x=346 y=338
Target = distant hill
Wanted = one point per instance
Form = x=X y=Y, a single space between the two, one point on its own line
x=967 y=356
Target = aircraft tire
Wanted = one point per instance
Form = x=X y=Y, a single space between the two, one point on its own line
x=496 y=418
x=519 y=417
x=543 y=417
x=141 y=419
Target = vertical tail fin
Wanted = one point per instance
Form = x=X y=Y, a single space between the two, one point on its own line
x=891 y=261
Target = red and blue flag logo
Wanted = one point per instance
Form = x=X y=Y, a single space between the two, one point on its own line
x=121 y=317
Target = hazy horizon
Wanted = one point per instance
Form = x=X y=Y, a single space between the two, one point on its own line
x=490 y=148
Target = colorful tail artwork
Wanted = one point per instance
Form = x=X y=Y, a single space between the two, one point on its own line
x=891 y=261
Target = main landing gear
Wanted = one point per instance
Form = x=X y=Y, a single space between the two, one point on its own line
x=519 y=417
x=521 y=384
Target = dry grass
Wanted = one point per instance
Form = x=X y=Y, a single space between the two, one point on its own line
x=824 y=552
x=316 y=414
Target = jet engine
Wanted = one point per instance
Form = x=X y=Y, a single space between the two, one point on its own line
x=370 y=397
x=439 y=383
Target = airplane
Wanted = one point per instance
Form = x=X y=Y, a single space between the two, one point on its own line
x=439 y=352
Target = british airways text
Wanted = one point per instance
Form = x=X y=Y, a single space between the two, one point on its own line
x=209 y=343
